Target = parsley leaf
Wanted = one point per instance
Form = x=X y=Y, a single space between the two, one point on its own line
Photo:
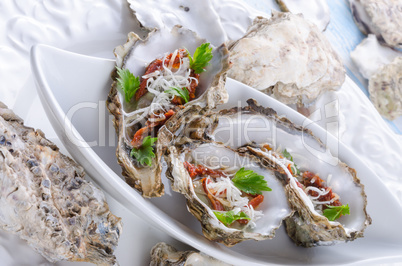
x=181 y=92
x=128 y=83
x=287 y=155
x=227 y=218
x=201 y=58
x=250 y=182
x=145 y=153
x=334 y=212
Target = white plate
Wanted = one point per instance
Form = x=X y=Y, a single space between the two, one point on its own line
x=73 y=89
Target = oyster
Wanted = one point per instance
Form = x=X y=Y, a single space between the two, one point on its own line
x=380 y=17
x=385 y=89
x=287 y=150
x=286 y=57
x=204 y=172
x=370 y=55
x=317 y=11
x=164 y=254
x=137 y=118
x=381 y=65
x=45 y=200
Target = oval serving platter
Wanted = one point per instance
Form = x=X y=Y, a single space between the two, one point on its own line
x=73 y=89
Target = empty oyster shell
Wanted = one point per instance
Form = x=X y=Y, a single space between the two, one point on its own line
x=287 y=57
x=380 y=17
x=45 y=200
x=242 y=128
x=385 y=89
x=164 y=254
x=317 y=11
x=131 y=116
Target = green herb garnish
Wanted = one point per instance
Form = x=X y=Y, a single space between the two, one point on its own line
x=287 y=155
x=145 y=153
x=181 y=92
x=250 y=182
x=201 y=58
x=334 y=212
x=227 y=218
x=128 y=83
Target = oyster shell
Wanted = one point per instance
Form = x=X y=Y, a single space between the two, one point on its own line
x=381 y=66
x=370 y=55
x=164 y=254
x=317 y=11
x=240 y=128
x=45 y=200
x=263 y=222
x=286 y=57
x=385 y=89
x=132 y=116
x=380 y=17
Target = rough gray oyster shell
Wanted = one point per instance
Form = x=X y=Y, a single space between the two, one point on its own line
x=385 y=89
x=135 y=55
x=380 y=17
x=165 y=254
x=287 y=57
x=307 y=227
x=45 y=200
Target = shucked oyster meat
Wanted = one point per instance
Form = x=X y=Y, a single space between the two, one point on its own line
x=45 y=200
x=175 y=70
x=316 y=183
x=380 y=17
x=287 y=57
